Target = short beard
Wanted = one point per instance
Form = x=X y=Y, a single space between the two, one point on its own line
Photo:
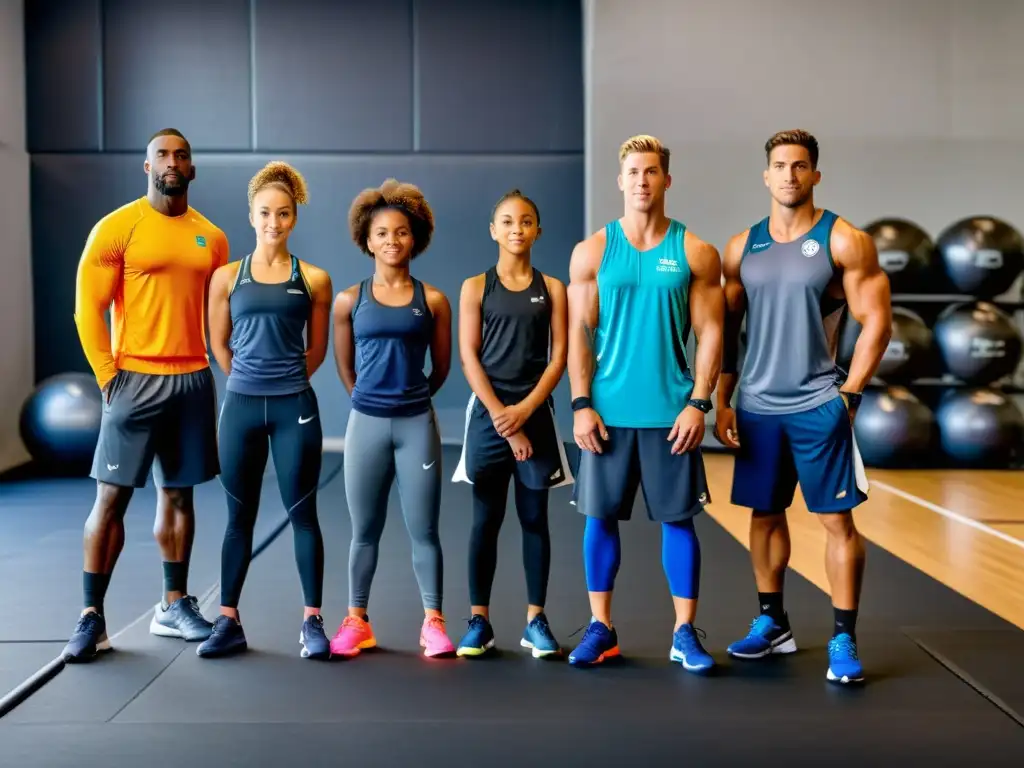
x=170 y=190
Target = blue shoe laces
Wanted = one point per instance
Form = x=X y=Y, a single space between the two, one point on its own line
x=842 y=648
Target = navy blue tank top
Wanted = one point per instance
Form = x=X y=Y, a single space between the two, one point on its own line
x=515 y=338
x=391 y=346
x=268 y=321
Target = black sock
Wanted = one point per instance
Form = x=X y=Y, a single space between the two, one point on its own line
x=771 y=605
x=176 y=577
x=94 y=588
x=846 y=621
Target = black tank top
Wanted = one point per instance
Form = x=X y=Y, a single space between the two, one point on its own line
x=516 y=335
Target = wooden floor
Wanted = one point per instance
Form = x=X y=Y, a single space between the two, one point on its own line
x=963 y=528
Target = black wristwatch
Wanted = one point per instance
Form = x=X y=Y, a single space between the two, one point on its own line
x=579 y=403
x=852 y=399
x=704 y=406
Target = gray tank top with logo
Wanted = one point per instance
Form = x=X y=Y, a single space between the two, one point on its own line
x=792 y=321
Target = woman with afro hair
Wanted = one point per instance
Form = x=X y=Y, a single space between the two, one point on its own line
x=383 y=328
x=269 y=326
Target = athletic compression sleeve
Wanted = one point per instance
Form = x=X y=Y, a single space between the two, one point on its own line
x=100 y=271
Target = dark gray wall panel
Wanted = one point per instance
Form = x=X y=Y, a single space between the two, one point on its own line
x=500 y=77
x=183 y=65
x=333 y=76
x=62 y=72
x=461 y=191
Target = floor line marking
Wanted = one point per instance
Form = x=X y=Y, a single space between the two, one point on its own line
x=948 y=513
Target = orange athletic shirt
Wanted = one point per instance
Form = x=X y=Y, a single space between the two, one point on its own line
x=152 y=272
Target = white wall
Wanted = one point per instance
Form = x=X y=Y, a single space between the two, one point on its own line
x=16 y=340
x=918 y=104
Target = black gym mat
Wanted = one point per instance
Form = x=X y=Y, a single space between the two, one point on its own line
x=393 y=706
x=988 y=660
x=41 y=553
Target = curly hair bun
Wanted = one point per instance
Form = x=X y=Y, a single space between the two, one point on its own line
x=283 y=176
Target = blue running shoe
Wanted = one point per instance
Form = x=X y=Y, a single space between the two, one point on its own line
x=538 y=637
x=88 y=639
x=687 y=650
x=479 y=638
x=182 y=618
x=227 y=637
x=599 y=644
x=315 y=644
x=843 y=663
x=765 y=638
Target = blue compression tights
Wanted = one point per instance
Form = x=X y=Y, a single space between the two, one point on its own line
x=680 y=556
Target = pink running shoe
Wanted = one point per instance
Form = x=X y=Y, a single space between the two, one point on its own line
x=353 y=636
x=434 y=638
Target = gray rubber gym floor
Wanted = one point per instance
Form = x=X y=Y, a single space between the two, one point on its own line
x=946 y=681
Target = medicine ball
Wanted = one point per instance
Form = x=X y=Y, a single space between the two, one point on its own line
x=895 y=429
x=909 y=356
x=906 y=253
x=980 y=428
x=60 y=422
x=981 y=256
x=977 y=342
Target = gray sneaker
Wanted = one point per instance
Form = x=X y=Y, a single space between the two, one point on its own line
x=182 y=618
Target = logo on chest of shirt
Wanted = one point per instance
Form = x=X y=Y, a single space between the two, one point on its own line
x=537 y=299
x=668 y=265
x=416 y=311
x=759 y=246
x=809 y=248
x=200 y=241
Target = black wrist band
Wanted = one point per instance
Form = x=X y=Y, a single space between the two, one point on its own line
x=579 y=403
x=853 y=398
x=704 y=406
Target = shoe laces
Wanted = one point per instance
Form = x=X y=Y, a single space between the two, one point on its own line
x=761 y=626
x=352 y=622
x=436 y=622
x=476 y=621
x=690 y=636
x=87 y=622
x=843 y=647
x=316 y=622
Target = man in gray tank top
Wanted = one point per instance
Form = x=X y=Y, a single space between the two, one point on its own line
x=792 y=274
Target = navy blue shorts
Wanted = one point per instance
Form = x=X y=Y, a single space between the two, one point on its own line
x=815 y=448
x=675 y=488
x=486 y=453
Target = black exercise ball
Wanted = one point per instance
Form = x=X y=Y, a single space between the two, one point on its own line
x=895 y=429
x=60 y=422
x=980 y=427
x=981 y=256
x=906 y=253
x=909 y=356
x=977 y=342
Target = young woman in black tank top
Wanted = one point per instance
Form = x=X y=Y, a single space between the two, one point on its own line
x=513 y=331
x=269 y=326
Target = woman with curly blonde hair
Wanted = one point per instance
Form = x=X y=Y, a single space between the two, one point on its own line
x=269 y=325
x=383 y=328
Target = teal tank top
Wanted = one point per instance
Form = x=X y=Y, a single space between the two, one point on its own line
x=642 y=378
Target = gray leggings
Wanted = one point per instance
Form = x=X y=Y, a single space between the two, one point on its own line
x=378 y=451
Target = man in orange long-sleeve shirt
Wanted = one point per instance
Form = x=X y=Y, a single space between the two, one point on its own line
x=149 y=262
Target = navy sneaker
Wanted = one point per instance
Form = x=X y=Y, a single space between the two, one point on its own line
x=182 y=618
x=315 y=644
x=688 y=651
x=843 y=662
x=88 y=639
x=766 y=637
x=538 y=637
x=479 y=638
x=227 y=637
x=599 y=644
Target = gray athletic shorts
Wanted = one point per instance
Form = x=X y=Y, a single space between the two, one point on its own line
x=169 y=418
x=675 y=488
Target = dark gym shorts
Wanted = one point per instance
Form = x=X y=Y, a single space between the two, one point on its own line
x=166 y=423
x=675 y=488
x=486 y=452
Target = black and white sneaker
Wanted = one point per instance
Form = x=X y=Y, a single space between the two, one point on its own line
x=227 y=637
x=88 y=639
x=182 y=618
x=315 y=644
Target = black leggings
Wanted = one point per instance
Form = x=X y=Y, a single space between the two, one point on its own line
x=288 y=425
x=490 y=493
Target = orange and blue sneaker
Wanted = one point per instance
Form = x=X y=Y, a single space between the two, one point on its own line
x=354 y=635
x=539 y=639
x=434 y=638
x=479 y=637
x=599 y=644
